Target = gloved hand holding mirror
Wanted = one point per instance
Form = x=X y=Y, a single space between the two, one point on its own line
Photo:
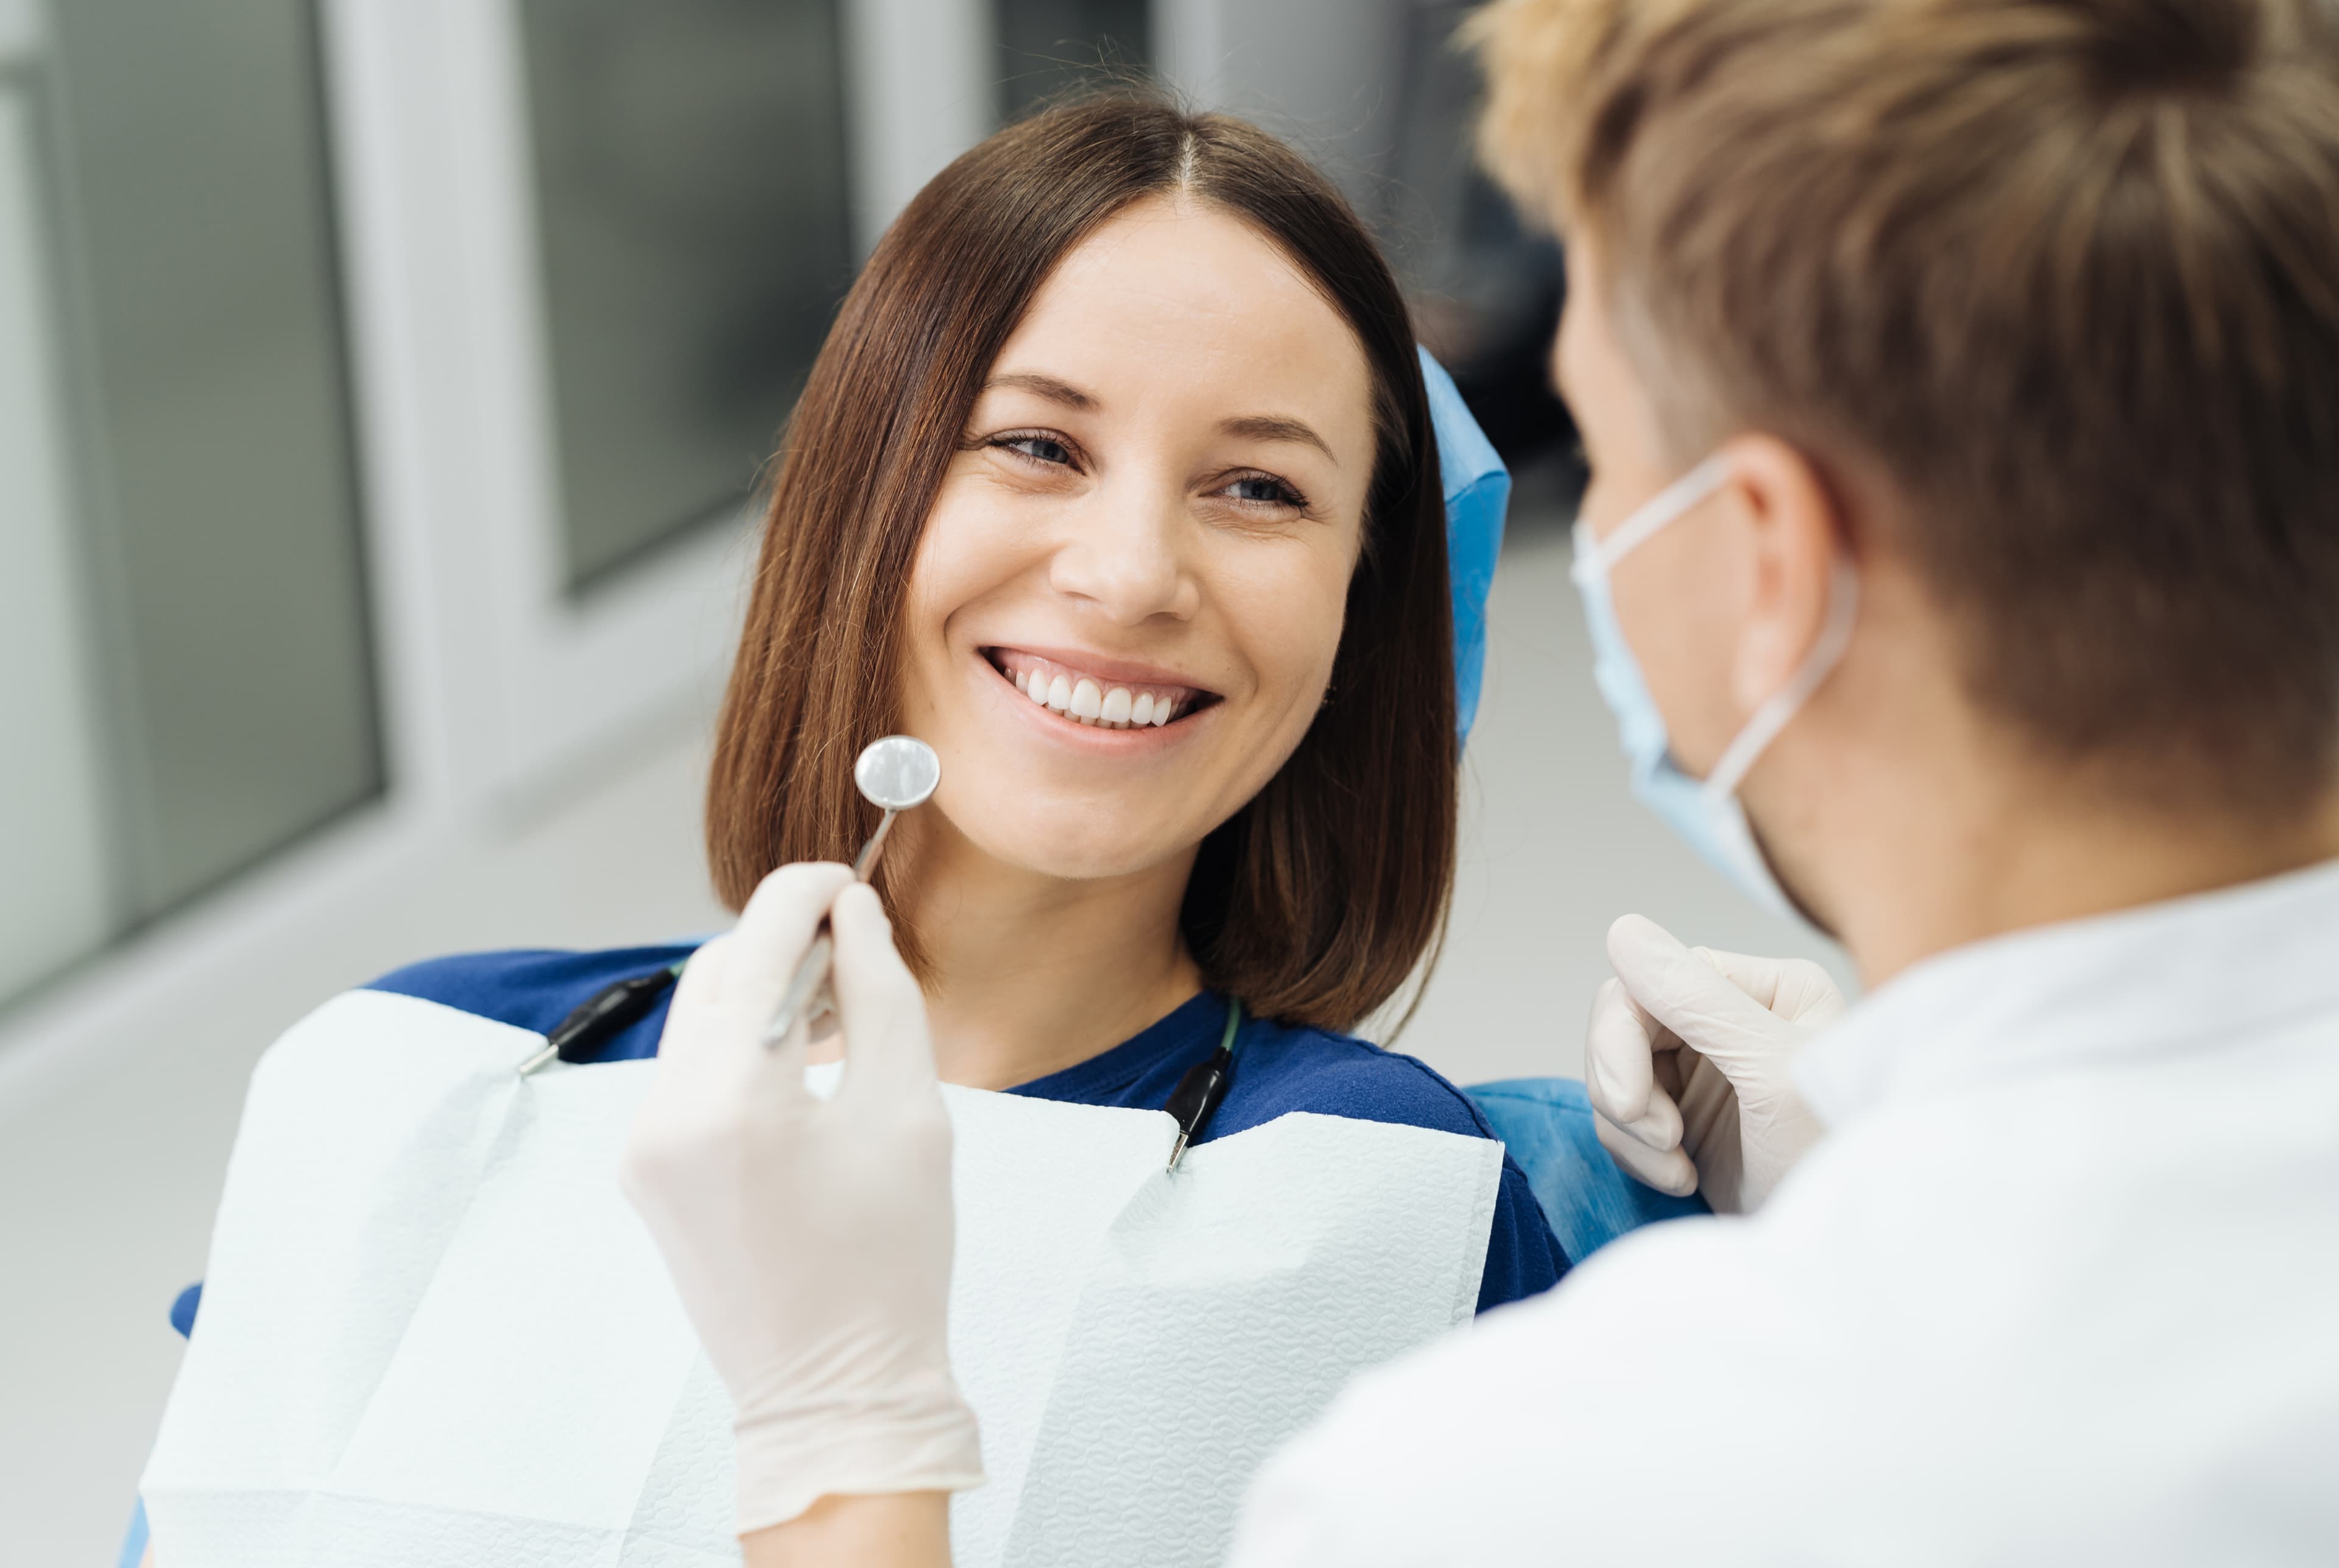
x=837 y=1391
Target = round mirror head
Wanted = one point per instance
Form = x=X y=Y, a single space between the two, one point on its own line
x=897 y=773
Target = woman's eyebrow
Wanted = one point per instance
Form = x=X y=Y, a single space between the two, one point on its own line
x=1274 y=428
x=1043 y=386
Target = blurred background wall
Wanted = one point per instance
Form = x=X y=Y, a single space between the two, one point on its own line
x=383 y=389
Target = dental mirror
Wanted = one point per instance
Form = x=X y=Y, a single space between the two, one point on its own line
x=896 y=773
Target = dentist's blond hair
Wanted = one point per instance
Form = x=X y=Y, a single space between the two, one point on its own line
x=2066 y=271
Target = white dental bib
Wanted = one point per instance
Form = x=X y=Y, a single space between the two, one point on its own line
x=433 y=1333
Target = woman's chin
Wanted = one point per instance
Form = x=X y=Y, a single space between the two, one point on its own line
x=1087 y=852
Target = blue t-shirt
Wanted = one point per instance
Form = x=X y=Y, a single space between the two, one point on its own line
x=1277 y=1070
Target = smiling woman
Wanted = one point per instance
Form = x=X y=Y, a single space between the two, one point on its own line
x=1125 y=401
x=1116 y=483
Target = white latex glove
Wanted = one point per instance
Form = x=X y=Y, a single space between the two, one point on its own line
x=1686 y=1064
x=809 y=1242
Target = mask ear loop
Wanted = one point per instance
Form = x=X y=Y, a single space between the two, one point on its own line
x=1835 y=637
x=1658 y=510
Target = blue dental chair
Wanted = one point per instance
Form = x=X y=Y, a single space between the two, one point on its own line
x=1546 y=1125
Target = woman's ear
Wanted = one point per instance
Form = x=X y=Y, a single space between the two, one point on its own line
x=1792 y=529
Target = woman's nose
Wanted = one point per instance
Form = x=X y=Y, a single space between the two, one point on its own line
x=1125 y=556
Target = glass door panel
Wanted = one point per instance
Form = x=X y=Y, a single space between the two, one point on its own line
x=174 y=236
x=58 y=901
x=695 y=236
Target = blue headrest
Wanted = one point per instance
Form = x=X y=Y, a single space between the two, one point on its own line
x=1477 y=493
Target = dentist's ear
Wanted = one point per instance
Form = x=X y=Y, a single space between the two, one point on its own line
x=1795 y=526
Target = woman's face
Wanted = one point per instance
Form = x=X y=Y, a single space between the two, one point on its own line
x=1123 y=612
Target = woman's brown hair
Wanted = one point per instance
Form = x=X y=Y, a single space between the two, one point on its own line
x=1314 y=901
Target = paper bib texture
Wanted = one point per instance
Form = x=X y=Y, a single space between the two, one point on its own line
x=434 y=1333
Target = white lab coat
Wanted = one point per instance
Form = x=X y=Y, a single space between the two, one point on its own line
x=2061 y=1286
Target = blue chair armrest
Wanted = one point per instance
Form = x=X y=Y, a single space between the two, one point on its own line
x=1546 y=1125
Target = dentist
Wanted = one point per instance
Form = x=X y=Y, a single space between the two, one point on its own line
x=1960 y=381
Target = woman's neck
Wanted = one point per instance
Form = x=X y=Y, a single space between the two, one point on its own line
x=1031 y=974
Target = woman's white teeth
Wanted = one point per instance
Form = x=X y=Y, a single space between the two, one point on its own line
x=1083 y=701
x=1122 y=712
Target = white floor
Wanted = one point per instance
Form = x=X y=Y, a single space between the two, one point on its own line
x=109 y=1169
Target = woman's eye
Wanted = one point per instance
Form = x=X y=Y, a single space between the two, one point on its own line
x=1260 y=489
x=1038 y=449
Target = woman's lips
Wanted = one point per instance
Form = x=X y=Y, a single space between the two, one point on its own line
x=1102 y=699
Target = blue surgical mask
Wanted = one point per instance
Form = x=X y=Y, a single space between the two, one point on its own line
x=1704 y=811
